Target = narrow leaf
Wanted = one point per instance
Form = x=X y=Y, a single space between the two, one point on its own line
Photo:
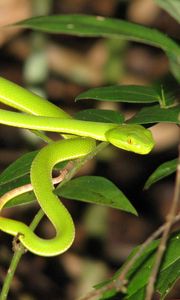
x=100 y=115
x=162 y=171
x=170 y=265
x=97 y=190
x=139 y=274
x=10 y=185
x=18 y=169
x=85 y=25
x=155 y=114
x=171 y=6
x=91 y=189
x=17 y=174
x=96 y=26
x=122 y=93
x=22 y=199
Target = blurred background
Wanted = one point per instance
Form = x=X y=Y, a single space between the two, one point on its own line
x=59 y=67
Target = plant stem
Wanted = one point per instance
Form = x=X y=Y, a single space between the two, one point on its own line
x=165 y=236
x=16 y=258
x=163 y=99
x=10 y=273
x=119 y=283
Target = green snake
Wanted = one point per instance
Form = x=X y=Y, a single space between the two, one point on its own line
x=40 y=114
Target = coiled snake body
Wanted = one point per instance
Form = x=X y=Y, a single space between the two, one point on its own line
x=42 y=115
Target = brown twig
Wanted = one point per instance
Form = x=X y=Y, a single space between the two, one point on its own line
x=120 y=282
x=165 y=235
x=27 y=188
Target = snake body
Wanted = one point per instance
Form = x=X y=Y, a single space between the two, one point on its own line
x=49 y=117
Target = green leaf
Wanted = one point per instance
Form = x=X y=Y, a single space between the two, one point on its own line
x=139 y=274
x=170 y=266
x=96 y=26
x=122 y=93
x=10 y=185
x=92 y=189
x=162 y=171
x=100 y=115
x=22 y=199
x=85 y=25
x=18 y=169
x=96 y=190
x=17 y=174
x=171 y=6
x=155 y=114
x=21 y=167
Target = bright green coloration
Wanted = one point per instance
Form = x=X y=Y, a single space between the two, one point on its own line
x=14 y=95
x=133 y=138
x=41 y=171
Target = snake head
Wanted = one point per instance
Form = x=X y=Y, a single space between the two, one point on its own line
x=133 y=138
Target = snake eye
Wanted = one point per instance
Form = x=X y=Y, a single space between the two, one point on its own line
x=129 y=140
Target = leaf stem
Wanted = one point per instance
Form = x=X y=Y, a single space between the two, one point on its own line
x=162 y=99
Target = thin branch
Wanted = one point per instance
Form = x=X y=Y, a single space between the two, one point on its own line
x=119 y=283
x=27 y=188
x=165 y=235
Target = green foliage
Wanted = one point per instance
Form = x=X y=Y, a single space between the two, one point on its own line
x=17 y=174
x=139 y=274
x=122 y=93
x=161 y=172
x=14 y=183
x=22 y=199
x=97 y=190
x=134 y=94
x=100 y=115
x=91 y=189
x=18 y=169
x=92 y=26
x=155 y=114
